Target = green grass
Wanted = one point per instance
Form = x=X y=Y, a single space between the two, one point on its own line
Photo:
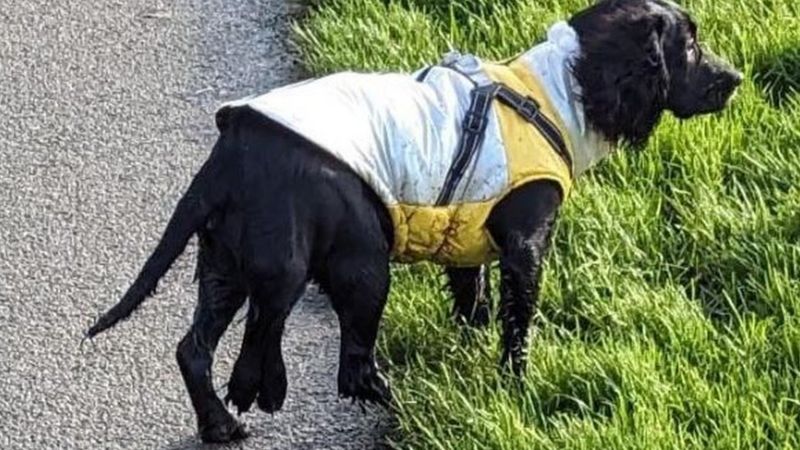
x=670 y=311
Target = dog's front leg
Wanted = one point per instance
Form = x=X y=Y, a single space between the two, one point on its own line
x=520 y=267
x=522 y=225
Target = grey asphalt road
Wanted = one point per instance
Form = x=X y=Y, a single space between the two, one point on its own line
x=106 y=111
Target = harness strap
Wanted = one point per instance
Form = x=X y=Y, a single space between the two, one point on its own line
x=528 y=108
x=452 y=66
x=473 y=129
x=422 y=75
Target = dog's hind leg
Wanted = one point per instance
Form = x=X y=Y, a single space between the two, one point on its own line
x=219 y=299
x=358 y=284
x=259 y=369
x=472 y=298
x=272 y=386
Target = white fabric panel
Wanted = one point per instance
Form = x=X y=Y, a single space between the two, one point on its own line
x=552 y=62
x=399 y=134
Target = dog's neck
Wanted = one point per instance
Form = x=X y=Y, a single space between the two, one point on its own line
x=552 y=62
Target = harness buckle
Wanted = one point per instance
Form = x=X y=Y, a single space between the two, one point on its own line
x=473 y=122
x=528 y=108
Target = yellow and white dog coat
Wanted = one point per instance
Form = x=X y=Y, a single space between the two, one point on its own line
x=401 y=132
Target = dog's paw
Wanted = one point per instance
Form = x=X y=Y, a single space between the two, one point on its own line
x=242 y=388
x=365 y=383
x=273 y=389
x=222 y=428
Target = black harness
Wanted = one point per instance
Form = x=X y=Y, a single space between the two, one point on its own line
x=473 y=128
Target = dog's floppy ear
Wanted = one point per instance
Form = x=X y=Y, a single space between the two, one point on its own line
x=623 y=73
x=655 y=50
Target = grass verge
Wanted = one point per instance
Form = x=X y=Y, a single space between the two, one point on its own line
x=670 y=312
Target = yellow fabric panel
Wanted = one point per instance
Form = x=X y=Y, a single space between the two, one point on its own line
x=530 y=156
x=453 y=235
x=456 y=235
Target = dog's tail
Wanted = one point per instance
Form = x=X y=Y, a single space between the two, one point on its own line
x=191 y=214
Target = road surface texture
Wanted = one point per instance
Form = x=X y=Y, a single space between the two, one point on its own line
x=106 y=111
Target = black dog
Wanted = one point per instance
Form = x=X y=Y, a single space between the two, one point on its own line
x=274 y=211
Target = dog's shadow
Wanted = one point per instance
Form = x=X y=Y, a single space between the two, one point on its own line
x=778 y=75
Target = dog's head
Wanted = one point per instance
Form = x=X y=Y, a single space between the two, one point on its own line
x=640 y=58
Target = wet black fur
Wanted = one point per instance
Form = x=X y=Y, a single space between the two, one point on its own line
x=634 y=66
x=273 y=212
